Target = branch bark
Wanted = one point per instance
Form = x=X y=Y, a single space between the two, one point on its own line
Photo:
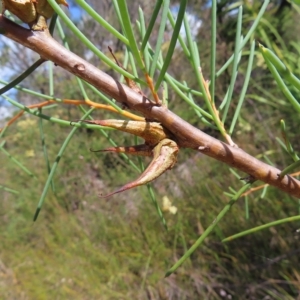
x=184 y=133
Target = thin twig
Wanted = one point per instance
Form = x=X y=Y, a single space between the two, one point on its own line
x=77 y=102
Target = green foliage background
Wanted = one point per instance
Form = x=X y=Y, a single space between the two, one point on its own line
x=84 y=247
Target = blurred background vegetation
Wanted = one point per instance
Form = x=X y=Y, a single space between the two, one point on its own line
x=84 y=247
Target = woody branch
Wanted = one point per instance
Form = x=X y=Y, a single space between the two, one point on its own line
x=184 y=134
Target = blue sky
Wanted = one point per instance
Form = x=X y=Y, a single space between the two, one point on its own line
x=75 y=12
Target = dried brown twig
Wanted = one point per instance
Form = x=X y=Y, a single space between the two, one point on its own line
x=184 y=133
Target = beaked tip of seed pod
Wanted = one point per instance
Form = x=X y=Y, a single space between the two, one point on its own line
x=120 y=190
x=63 y=2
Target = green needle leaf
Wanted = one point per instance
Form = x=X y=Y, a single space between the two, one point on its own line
x=86 y=41
x=285 y=90
x=209 y=229
x=262 y=227
x=96 y=17
x=248 y=35
x=160 y=37
x=18 y=163
x=173 y=43
x=236 y=58
x=129 y=33
x=54 y=167
x=244 y=89
x=151 y=24
x=8 y=190
x=21 y=77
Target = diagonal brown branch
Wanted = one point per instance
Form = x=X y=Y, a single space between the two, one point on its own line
x=186 y=135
